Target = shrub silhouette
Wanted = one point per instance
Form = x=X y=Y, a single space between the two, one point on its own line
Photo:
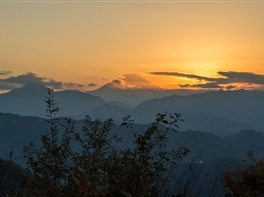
x=245 y=182
x=11 y=176
x=90 y=162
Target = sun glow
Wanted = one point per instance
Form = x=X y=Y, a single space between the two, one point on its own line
x=92 y=43
x=204 y=68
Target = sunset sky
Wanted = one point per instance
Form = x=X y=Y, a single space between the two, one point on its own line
x=173 y=44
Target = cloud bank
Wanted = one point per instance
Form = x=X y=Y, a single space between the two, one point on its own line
x=3 y=72
x=183 y=75
x=92 y=85
x=226 y=79
x=20 y=80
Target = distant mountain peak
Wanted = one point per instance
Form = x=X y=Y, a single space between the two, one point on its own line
x=33 y=85
x=131 y=81
x=29 y=88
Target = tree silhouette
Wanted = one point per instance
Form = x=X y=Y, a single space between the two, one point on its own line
x=246 y=182
x=90 y=162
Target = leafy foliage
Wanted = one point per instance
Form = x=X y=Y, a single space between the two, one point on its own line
x=91 y=162
x=11 y=175
x=49 y=163
x=245 y=182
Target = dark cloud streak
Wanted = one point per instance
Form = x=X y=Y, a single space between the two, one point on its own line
x=227 y=77
x=204 y=85
x=92 y=85
x=3 y=72
x=116 y=81
x=32 y=78
x=230 y=87
x=241 y=77
x=15 y=81
x=178 y=74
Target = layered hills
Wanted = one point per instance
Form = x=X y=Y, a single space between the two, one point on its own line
x=133 y=89
x=18 y=131
x=220 y=112
x=218 y=127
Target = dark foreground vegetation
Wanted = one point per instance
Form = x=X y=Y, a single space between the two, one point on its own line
x=94 y=162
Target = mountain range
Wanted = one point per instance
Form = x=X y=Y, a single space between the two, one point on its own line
x=218 y=127
x=18 y=131
x=211 y=154
x=220 y=112
x=133 y=89
x=29 y=101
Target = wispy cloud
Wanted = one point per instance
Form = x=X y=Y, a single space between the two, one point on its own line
x=178 y=74
x=4 y=72
x=230 y=87
x=6 y=86
x=184 y=85
x=202 y=85
x=70 y=84
x=116 y=81
x=92 y=85
x=15 y=81
x=225 y=80
x=240 y=77
x=31 y=78
x=132 y=81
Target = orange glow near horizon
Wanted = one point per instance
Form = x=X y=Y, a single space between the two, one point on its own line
x=94 y=43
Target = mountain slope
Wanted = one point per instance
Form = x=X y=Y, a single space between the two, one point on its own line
x=129 y=81
x=18 y=131
x=238 y=106
x=247 y=140
x=133 y=89
x=29 y=101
